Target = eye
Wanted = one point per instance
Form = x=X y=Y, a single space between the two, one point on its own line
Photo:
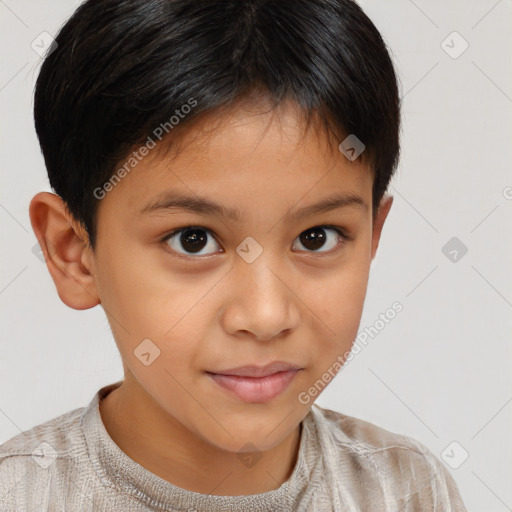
x=195 y=240
x=316 y=237
x=192 y=238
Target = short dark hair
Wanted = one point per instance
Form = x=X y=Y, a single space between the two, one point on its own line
x=121 y=68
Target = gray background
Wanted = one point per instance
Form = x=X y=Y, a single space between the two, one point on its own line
x=440 y=370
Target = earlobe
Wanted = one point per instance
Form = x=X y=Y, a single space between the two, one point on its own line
x=384 y=207
x=63 y=243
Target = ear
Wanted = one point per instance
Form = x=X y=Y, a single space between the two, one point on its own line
x=382 y=213
x=68 y=256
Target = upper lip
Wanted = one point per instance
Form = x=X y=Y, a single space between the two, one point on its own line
x=259 y=371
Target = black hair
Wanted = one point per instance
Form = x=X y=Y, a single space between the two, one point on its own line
x=123 y=69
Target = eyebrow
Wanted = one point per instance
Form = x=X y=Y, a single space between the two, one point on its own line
x=203 y=206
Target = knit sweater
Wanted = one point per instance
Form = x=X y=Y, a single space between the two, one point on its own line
x=344 y=464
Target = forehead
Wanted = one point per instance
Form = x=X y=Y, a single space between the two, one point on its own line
x=242 y=156
x=247 y=128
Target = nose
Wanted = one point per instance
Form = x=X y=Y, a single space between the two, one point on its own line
x=262 y=302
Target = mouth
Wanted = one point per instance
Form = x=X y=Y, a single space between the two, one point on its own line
x=256 y=384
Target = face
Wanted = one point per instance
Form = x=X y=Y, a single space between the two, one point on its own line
x=190 y=293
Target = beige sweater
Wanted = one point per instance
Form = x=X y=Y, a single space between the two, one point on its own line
x=344 y=464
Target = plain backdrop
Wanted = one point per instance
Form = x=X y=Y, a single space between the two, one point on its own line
x=440 y=371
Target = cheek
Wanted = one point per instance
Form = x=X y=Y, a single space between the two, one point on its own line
x=144 y=304
x=338 y=301
x=133 y=291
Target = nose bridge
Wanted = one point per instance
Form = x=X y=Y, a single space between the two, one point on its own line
x=261 y=301
x=260 y=279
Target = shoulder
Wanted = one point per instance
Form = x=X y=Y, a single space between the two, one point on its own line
x=31 y=459
x=56 y=430
x=403 y=470
x=366 y=438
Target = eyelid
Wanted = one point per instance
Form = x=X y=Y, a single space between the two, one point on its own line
x=339 y=229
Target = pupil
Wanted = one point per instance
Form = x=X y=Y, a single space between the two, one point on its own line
x=313 y=239
x=193 y=240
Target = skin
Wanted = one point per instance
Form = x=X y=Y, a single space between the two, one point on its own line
x=215 y=310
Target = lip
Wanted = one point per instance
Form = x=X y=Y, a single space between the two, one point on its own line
x=259 y=371
x=256 y=384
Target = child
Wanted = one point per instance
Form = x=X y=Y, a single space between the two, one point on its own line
x=220 y=170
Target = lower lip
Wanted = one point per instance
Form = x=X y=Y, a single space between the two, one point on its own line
x=255 y=389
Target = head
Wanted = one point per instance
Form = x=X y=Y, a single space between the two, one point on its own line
x=147 y=113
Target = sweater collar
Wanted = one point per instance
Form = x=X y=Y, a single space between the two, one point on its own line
x=118 y=471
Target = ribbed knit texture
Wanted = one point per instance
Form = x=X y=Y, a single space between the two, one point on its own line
x=344 y=465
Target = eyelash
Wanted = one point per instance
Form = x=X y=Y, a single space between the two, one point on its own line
x=343 y=239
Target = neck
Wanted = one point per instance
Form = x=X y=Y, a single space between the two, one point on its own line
x=164 y=446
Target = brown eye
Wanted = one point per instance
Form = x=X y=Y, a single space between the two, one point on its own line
x=317 y=237
x=191 y=239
